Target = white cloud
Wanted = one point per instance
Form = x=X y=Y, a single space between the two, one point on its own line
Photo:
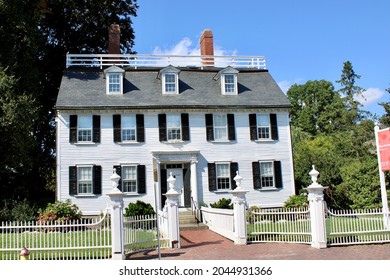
x=285 y=85
x=370 y=96
x=185 y=47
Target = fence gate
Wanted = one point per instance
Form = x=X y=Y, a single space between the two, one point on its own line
x=357 y=226
x=279 y=225
x=141 y=233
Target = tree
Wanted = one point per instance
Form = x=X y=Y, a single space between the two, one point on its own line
x=350 y=91
x=385 y=119
x=316 y=107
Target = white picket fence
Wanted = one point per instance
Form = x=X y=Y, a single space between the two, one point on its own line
x=220 y=221
x=279 y=225
x=346 y=227
x=66 y=240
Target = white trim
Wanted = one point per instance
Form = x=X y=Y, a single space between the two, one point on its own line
x=176 y=83
x=108 y=75
x=223 y=84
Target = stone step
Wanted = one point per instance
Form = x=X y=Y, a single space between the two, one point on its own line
x=187 y=221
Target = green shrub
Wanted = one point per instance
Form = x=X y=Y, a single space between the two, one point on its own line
x=59 y=211
x=138 y=209
x=18 y=210
x=296 y=201
x=223 y=203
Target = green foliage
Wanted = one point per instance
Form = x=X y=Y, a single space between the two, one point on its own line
x=296 y=201
x=18 y=210
x=223 y=203
x=59 y=211
x=139 y=208
x=385 y=119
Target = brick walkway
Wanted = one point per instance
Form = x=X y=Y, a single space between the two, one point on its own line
x=207 y=245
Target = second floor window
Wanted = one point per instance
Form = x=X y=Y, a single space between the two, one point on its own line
x=129 y=128
x=263 y=127
x=220 y=127
x=84 y=129
x=173 y=127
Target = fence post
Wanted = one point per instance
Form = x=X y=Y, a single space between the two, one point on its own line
x=116 y=198
x=317 y=212
x=172 y=203
x=239 y=212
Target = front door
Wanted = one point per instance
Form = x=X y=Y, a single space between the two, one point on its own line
x=177 y=173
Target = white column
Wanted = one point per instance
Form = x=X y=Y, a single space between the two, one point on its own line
x=239 y=212
x=194 y=181
x=173 y=212
x=116 y=198
x=317 y=212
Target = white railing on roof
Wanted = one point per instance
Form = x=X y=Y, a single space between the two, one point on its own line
x=137 y=60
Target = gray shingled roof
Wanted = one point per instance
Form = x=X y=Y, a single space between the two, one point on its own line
x=86 y=89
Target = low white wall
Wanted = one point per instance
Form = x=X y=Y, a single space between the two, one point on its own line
x=220 y=221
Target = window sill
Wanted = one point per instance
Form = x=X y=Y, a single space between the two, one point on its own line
x=128 y=143
x=223 y=191
x=268 y=189
x=85 y=143
x=222 y=141
x=131 y=194
x=264 y=140
x=174 y=142
x=85 y=195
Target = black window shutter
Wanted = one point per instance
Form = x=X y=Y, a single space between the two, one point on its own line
x=140 y=128
x=96 y=129
x=116 y=122
x=253 y=126
x=97 y=179
x=209 y=127
x=278 y=174
x=118 y=169
x=256 y=175
x=72 y=180
x=274 y=127
x=162 y=125
x=73 y=128
x=164 y=187
x=212 y=177
x=231 y=127
x=141 y=178
x=233 y=173
x=185 y=127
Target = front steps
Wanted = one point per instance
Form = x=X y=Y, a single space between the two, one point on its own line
x=187 y=221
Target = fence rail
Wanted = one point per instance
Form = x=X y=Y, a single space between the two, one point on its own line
x=279 y=225
x=66 y=240
x=357 y=226
x=136 y=61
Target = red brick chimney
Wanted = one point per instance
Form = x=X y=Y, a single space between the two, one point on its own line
x=207 y=47
x=114 y=37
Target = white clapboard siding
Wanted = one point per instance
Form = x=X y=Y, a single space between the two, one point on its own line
x=107 y=154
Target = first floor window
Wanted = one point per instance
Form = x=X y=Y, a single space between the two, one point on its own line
x=223 y=176
x=267 y=174
x=84 y=180
x=129 y=178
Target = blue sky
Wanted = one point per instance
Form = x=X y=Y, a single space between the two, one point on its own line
x=302 y=40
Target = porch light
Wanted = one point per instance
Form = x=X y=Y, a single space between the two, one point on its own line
x=115 y=179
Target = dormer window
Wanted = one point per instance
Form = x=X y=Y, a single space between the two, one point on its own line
x=169 y=80
x=114 y=80
x=228 y=81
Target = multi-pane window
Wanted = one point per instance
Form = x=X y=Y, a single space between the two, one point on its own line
x=114 y=83
x=129 y=128
x=263 y=126
x=267 y=174
x=170 y=83
x=84 y=129
x=230 y=84
x=174 y=127
x=223 y=176
x=220 y=127
x=129 y=178
x=84 y=179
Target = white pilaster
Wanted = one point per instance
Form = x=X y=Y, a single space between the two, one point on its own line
x=239 y=212
x=172 y=203
x=194 y=181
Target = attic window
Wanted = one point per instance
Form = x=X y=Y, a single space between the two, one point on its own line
x=169 y=80
x=114 y=80
x=228 y=81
